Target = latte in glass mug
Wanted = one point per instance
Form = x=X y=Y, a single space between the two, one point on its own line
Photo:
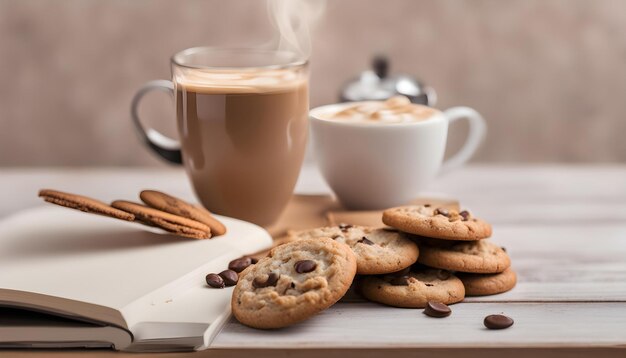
x=242 y=127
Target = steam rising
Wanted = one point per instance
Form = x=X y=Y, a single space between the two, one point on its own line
x=294 y=21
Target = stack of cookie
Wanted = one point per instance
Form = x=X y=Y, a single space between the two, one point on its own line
x=456 y=241
x=429 y=257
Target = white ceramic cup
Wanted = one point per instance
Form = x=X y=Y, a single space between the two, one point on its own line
x=380 y=165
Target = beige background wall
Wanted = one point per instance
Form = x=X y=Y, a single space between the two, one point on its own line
x=548 y=75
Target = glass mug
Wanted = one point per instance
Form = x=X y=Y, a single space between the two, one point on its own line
x=242 y=123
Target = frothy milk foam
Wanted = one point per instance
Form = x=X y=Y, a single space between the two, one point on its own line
x=398 y=109
x=239 y=81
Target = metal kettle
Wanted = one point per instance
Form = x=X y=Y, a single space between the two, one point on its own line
x=376 y=85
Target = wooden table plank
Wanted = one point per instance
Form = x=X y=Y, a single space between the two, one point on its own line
x=370 y=325
x=505 y=194
x=564 y=227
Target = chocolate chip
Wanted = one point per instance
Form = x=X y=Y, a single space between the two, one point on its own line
x=293 y=285
x=465 y=214
x=239 y=264
x=364 y=240
x=437 y=309
x=503 y=248
x=335 y=237
x=443 y=275
x=271 y=280
x=305 y=266
x=345 y=227
x=429 y=284
x=498 y=321
x=427 y=205
x=230 y=277
x=442 y=211
x=214 y=281
x=400 y=281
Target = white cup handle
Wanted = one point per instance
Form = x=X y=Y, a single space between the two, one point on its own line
x=477 y=131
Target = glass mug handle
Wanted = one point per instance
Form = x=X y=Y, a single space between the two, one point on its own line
x=477 y=131
x=167 y=148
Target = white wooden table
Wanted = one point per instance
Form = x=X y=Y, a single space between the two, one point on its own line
x=563 y=226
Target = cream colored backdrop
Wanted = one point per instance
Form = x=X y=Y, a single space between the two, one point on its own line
x=548 y=75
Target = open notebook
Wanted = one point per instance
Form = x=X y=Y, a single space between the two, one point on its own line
x=70 y=279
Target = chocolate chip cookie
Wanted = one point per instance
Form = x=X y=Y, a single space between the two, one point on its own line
x=83 y=203
x=413 y=289
x=176 y=206
x=294 y=282
x=488 y=284
x=436 y=222
x=378 y=251
x=481 y=256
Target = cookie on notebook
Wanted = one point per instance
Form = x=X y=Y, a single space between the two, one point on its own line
x=176 y=206
x=437 y=222
x=413 y=289
x=377 y=251
x=175 y=224
x=294 y=282
x=477 y=284
x=481 y=256
x=84 y=203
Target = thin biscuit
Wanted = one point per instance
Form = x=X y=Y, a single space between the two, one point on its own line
x=177 y=206
x=175 y=224
x=83 y=203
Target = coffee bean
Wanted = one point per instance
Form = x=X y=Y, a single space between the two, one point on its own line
x=230 y=277
x=305 y=266
x=498 y=321
x=271 y=280
x=465 y=215
x=442 y=211
x=214 y=281
x=437 y=309
x=364 y=240
x=400 y=281
x=239 y=264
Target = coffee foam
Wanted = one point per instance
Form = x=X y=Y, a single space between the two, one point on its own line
x=398 y=109
x=239 y=81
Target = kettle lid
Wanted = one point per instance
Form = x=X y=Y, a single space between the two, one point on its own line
x=376 y=84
